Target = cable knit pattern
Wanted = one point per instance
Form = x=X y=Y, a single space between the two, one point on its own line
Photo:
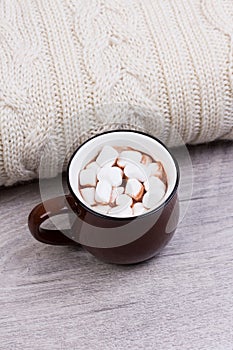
x=72 y=68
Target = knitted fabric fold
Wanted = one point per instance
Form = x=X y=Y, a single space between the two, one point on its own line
x=72 y=68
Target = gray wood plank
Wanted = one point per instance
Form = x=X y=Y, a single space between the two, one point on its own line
x=63 y=298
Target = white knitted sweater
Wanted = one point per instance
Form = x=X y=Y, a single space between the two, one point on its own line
x=63 y=61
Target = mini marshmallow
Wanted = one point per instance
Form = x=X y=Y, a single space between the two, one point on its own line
x=146 y=160
x=103 y=209
x=120 y=212
x=108 y=155
x=88 y=195
x=116 y=191
x=154 y=184
x=151 y=199
x=136 y=171
x=154 y=169
x=87 y=177
x=134 y=189
x=128 y=157
x=124 y=200
x=93 y=165
x=138 y=209
x=103 y=192
x=111 y=174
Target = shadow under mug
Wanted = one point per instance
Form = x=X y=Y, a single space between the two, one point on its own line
x=117 y=240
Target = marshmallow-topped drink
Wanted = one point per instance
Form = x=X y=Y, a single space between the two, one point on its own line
x=123 y=182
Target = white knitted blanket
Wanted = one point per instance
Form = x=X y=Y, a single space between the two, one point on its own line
x=61 y=61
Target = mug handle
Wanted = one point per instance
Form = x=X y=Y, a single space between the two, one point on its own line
x=45 y=210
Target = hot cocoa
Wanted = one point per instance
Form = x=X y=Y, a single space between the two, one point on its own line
x=122 y=182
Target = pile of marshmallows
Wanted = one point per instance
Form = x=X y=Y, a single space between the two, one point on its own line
x=122 y=184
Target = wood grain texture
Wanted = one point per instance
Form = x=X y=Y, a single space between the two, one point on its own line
x=63 y=298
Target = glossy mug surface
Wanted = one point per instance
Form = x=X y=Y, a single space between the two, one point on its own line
x=120 y=240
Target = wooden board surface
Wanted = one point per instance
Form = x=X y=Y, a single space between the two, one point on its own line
x=63 y=298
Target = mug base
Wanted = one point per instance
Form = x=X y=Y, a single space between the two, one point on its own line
x=130 y=254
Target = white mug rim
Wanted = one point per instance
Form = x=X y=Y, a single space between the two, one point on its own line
x=102 y=215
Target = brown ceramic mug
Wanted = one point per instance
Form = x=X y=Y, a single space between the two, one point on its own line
x=112 y=239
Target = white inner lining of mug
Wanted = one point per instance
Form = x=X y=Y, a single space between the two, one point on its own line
x=135 y=140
